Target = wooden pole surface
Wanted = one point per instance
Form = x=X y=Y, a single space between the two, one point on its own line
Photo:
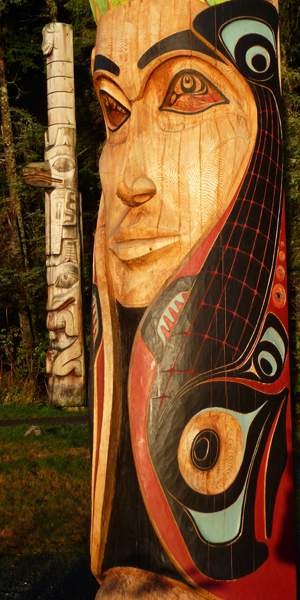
x=192 y=453
x=58 y=173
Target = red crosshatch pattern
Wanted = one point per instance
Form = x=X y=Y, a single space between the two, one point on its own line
x=241 y=263
x=250 y=234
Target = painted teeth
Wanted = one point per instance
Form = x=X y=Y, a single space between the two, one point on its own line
x=167 y=314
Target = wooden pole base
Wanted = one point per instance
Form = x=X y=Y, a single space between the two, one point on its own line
x=125 y=583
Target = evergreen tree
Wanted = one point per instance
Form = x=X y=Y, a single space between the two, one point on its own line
x=23 y=289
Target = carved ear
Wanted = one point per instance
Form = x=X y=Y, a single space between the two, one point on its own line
x=93 y=60
x=109 y=5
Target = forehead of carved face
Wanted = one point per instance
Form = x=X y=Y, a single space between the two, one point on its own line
x=181 y=125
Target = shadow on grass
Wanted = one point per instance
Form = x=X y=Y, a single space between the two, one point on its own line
x=47 y=578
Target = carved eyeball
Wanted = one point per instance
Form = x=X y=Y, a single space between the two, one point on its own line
x=63 y=164
x=191 y=93
x=66 y=280
x=252 y=45
x=279 y=295
x=114 y=111
x=210 y=451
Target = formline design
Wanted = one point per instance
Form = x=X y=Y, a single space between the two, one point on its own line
x=190 y=391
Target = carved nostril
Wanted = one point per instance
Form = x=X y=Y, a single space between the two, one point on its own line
x=142 y=190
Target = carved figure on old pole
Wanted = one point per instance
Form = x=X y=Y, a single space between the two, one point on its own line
x=190 y=378
x=65 y=359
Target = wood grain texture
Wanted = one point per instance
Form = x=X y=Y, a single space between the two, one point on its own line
x=127 y=583
x=197 y=157
x=205 y=470
x=65 y=359
x=106 y=423
x=191 y=231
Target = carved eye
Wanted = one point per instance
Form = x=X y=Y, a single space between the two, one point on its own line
x=279 y=295
x=66 y=280
x=191 y=92
x=116 y=114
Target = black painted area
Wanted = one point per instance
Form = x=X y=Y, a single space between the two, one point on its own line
x=102 y=63
x=209 y=25
x=131 y=539
x=276 y=465
x=181 y=40
x=222 y=316
x=240 y=556
x=166 y=103
x=94 y=347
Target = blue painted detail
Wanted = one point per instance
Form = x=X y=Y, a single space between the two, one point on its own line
x=234 y=31
x=253 y=52
x=222 y=526
x=270 y=359
x=271 y=335
x=244 y=420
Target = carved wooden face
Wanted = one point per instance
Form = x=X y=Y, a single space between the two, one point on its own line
x=181 y=127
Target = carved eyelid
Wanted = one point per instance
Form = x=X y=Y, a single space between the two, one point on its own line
x=112 y=106
x=102 y=84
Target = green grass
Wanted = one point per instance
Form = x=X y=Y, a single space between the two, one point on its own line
x=35 y=411
x=44 y=490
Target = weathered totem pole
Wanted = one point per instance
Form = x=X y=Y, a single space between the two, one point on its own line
x=192 y=474
x=65 y=358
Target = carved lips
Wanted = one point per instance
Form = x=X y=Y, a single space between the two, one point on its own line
x=127 y=244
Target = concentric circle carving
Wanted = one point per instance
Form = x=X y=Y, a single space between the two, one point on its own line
x=210 y=451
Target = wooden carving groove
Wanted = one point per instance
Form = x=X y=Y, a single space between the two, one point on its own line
x=192 y=476
x=65 y=359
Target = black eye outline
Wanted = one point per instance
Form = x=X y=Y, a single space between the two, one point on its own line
x=167 y=106
x=70 y=280
x=119 y=108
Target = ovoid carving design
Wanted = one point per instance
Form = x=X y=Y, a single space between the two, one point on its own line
x=190 y=342
x=65 y=358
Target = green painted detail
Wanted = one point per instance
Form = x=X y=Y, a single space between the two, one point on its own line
x=272 y=336
x=102 y=5
x=93 y=10
x=237 y=29
x=222 y=526
x=214 y=2
x=116 y=3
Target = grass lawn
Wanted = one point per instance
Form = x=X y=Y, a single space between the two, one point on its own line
x=44 y=490
x=35 y=411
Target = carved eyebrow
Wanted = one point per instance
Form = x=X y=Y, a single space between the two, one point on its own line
x=181 y=40
x=102 y=63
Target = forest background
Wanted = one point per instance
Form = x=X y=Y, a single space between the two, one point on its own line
x=23 y=105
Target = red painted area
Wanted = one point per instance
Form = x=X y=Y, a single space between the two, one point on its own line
x=194 y=264
x=276 y=578
x=99 y=399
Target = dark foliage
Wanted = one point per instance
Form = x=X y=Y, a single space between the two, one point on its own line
x=22 y=22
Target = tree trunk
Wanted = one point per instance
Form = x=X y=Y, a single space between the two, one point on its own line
x=18 y=240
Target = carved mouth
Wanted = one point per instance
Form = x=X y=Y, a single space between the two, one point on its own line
x=136 y=248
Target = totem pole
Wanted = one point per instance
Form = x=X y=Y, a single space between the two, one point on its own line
x=192 y=474
x=65 y=358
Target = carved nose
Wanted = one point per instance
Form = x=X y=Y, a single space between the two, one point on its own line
x=141 y=191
